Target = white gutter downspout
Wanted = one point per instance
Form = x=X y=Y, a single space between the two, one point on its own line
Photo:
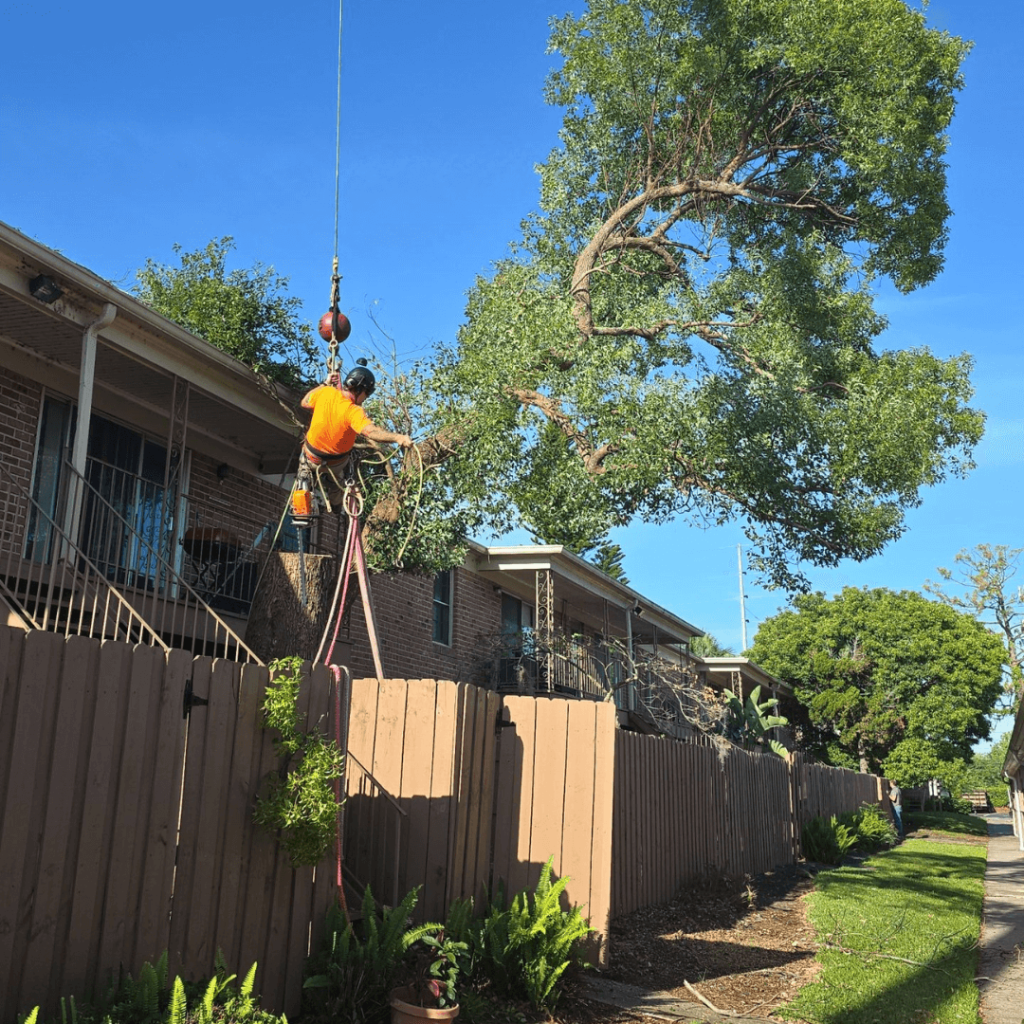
x=85 y=386
x=631 y=696
x=86 y=378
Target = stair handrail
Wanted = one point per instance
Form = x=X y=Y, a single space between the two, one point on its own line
x=168 y=573
x=90 y=582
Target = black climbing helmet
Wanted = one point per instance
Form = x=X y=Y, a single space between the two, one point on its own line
x=360 y=379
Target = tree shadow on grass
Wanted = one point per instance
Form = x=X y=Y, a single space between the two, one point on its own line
x=914 y=995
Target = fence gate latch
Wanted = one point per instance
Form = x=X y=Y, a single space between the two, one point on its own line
x=190 y=700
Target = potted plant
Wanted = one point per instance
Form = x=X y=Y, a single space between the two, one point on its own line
x=431 y=995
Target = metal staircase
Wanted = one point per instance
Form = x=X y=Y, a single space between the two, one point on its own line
x=55 y=575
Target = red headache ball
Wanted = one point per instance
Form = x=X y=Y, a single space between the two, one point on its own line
x=344 y=327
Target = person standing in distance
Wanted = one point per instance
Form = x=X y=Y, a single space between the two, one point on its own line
x=896 y=799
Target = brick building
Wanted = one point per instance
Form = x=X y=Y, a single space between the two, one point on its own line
x=144 y=473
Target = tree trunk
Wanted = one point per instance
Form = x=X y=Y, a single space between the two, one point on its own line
x=280 y=625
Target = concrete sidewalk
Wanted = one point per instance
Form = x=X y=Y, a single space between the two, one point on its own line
x=1001 y=964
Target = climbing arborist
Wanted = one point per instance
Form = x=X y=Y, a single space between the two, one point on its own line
x=338 y=418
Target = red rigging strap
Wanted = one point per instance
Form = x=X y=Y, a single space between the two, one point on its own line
x=353 y=553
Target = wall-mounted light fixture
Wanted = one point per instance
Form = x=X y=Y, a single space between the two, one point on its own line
x=45 y=289
x=222 y=471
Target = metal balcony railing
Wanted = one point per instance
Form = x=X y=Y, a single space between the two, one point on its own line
x=100 y=564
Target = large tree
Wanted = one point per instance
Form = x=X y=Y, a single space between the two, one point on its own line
x=686 y=327
x=980 y=581
x=889 y=681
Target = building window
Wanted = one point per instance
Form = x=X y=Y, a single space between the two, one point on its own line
x=443 y=608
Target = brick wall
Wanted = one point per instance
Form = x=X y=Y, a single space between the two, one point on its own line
x=404 y=610
x=245 y=504
x=20 y=402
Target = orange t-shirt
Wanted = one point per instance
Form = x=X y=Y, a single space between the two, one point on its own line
x=337 y=420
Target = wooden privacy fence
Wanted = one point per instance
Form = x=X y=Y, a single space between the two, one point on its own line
x=431 y=746
x=489 y=788
x=94 y=773
x=126 y=827
x=685 y=810
x=820 y=790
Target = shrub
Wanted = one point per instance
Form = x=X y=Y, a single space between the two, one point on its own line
x=871 y=828
x=999 y=795
x=827 y=841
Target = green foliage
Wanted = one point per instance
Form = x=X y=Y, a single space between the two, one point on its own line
x=871 y=829
x=219 y=1002
x=523 y=948
x=245 y=313
x=142 y=1000
x=298 y=801
x=983 y=577
x=349 y=980
x=147 y=999
x=608 y=558
x=686 y=327
x=707 y=646
x=439 y=984
x=750 y=721
x=999 y=795
x=420 y=511
x=893 y=680
x=827 y=841
x=985 y=771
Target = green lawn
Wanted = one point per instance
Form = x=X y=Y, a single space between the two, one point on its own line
x=945 y=823
x=909 y=921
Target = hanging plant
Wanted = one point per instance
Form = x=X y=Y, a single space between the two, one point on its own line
x=297 y=802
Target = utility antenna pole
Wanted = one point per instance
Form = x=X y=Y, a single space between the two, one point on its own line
x=743 y=608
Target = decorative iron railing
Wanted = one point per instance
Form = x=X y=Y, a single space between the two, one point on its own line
x=99 y=563
x=666 y=689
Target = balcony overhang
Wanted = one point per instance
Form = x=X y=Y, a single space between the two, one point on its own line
x=722 y=673
x=588 y=594
x=231 y=413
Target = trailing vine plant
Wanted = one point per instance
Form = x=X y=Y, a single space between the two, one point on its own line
x=297 y=801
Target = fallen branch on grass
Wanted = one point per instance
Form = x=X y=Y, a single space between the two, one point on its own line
x=884 y=956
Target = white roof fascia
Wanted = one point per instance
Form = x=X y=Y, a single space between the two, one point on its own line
x=153 y=339
x=749 y=668
x=579 y=571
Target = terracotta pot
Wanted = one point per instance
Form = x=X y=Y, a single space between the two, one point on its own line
x=404 y=1012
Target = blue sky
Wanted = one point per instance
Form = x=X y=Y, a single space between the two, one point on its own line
x=126 y=128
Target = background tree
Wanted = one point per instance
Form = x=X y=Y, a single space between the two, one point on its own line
x=246 y=313
x=686 y=327
x=707 y=646
x=890 y=682
x=983 y=577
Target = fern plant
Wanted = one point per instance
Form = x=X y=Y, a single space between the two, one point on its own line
x=297 y=802
x=148 y=1000
x=350 y=979
x=827 y=842
x=524 y=948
